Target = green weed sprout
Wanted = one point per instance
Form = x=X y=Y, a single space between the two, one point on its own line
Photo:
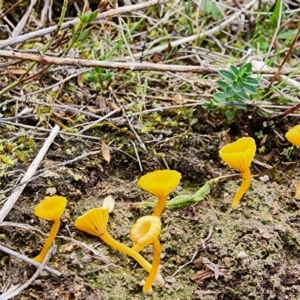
x=182 y=201
x=237 y=86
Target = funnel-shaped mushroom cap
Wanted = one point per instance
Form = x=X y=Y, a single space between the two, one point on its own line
x=293 y=135
x=94 y=221
x=51 y=208
x=160 y=183
x=239 y=154
x=146 y=230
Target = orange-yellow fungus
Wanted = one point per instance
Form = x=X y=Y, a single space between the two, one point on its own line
x=160 y=183
x=239 y=155
x=143 y=233
x=50 y=209
x=94 y=222
x=293 y=136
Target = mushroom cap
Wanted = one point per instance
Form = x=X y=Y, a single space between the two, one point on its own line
x=239 y=154
x=160 y=183
x=51 y=208
x=293 y=135
x=146 y=230
x=94 y=221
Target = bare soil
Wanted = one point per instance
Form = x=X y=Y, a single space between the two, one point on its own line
x=254 y=250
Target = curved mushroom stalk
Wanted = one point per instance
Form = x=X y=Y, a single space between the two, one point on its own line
x=239 y=155
x=50 y=209
x=95 y=221
x=52 y=234
x=246 y=175
x=143 y=233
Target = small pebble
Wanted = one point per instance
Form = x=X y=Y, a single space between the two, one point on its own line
x=242 y=255
x=264 y=178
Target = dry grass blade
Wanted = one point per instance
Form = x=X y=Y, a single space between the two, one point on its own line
x=29 y=173
x=28 y=260
x=15 y=290
x=43 y=32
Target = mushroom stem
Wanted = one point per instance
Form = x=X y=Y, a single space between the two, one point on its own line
x=298 y=191
x=137 y=248
x=162 y=200
x=244 y=187
x=109 y=240
x=155 y=266
x=53 y=232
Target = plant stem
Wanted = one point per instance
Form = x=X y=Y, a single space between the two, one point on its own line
x=155 y=266
x=244 y=187
x=53 y=232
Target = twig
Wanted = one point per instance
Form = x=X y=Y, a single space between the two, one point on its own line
x=137 y=156
x=29 y=173
x=15 y=290
x=285 y=59
x=65 y=61
x=45 y=31
x=24 y=19
x=48 y=130
x=28 y=260
x=33 y=229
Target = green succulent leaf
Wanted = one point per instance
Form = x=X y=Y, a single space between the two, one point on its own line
x=237 y=88
x=227 y=75
x=251 y=81
x=249 y=88
x=234 y=70
x=230 y=114
x=229 y=92
x=220 y=97
x=245 y=70
x=243 y=96
x=84 y=35
x=222 y=85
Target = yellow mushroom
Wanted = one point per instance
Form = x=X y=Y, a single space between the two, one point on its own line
x=239 y=155
x=293 y=136
x=94 y=222
x=143 y=233
x=160 y=183
x=50 y=209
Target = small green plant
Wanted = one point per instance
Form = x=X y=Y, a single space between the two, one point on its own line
x=237 y=86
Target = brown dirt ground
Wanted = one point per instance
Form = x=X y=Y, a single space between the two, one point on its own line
x=255 y=248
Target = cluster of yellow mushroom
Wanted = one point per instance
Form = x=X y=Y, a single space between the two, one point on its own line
x=146 y=230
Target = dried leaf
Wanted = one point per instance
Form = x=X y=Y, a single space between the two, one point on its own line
x=80 y=80
x=105 y=152
x=178 y=99
x=109 y=202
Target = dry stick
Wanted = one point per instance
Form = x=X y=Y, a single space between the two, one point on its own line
x=16 y=289
x=29 y=173
x=45 y=59
x=285 y=59
x=45 y=31
x=23 y=21
x=28 y=260
x=33 y=229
